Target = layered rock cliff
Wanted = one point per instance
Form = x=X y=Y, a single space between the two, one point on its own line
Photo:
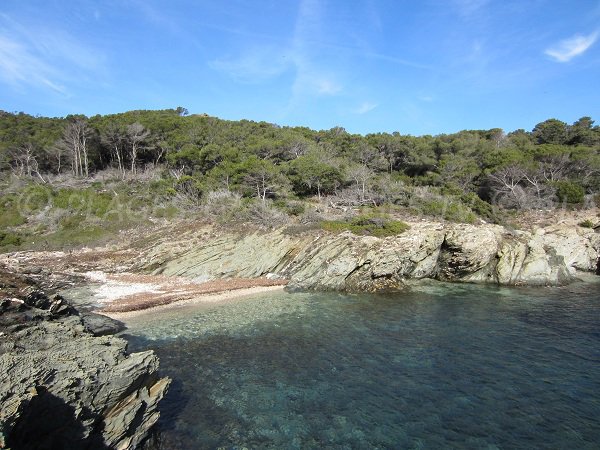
x=346 y=262
x=63 y=383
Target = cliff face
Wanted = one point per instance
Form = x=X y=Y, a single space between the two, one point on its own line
x=450 y=252
x=63 y=387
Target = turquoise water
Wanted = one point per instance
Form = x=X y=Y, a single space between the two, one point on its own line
x=442 y=366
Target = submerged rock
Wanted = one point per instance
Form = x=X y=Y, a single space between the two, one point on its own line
x=62 y=387
x=100 y=325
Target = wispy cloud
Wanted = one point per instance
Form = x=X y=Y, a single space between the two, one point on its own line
x=18 y=66
x=311 y=78
x=327 y=86
x=568 y=49
x=43 y=58
x=255 y=65
x=468 y=8
x=365 y=107
x=427 y=98
x=258 y=64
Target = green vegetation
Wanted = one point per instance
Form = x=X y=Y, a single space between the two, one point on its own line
x=65 y=179
x=569 y=192
x=369 y=225
x=587 y=223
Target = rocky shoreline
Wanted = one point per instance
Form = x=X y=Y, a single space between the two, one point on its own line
x=487 y=253
x=65 y=381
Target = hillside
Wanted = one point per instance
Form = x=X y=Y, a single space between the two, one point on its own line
x=77 y=180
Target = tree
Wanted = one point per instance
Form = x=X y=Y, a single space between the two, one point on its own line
x=506 y=186
x=552 y=161
x=56 y=152
x=458 y=170
x=521 y=188
x=115 y=138
x=310 y=175
x=362 y=177
x=24 y=161
x=181 y=111
x=388 y=148
x=369 y=156
x=551 y=131
x=137 y=135
x=582 y=132
x=260 y=176
x=75 y=139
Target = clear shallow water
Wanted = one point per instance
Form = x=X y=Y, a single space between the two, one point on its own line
x=444 y=366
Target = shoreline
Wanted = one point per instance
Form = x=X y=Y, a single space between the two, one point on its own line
x=216 y=297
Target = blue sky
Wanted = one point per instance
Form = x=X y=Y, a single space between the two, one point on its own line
x=417 y=67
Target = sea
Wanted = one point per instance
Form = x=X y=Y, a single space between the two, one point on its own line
x=438 y=366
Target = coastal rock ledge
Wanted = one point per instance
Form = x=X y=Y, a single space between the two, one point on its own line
x=345 y=262
x=61 y=386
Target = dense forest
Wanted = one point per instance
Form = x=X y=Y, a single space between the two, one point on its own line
x=179 y=162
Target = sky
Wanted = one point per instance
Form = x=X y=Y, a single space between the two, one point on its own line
x=415 y=67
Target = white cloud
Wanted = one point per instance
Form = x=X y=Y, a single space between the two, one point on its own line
x=567 y=49
x=365 y=107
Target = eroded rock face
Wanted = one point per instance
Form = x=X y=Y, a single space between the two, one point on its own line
x=62 y=387
x=451 y=252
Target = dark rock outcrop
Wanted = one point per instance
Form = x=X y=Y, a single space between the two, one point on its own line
x=63 y=387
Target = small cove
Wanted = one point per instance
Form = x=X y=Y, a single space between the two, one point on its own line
x=440 y=366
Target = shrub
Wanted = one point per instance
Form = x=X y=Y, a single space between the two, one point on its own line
x=292 y=208
x=569 y=192
x=264 y=215
x=71 y=222
x=10 y=239
x=34 y=198
x=480 y=207
x=10 y=216
x=223 y=205
x=587 y=223
x=446 y=209
x=167 y=212
x=367 y=225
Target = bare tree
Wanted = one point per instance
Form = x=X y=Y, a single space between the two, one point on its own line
x=24 y=161
x=554 y=168
x=114 y=137
x=75 y=140
x=297 y=148
x=56 y=152
x=505 y=184
x=362 y=177
x=137 y=135
x=263 y=181
x=517 y=187
x=498 y=137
